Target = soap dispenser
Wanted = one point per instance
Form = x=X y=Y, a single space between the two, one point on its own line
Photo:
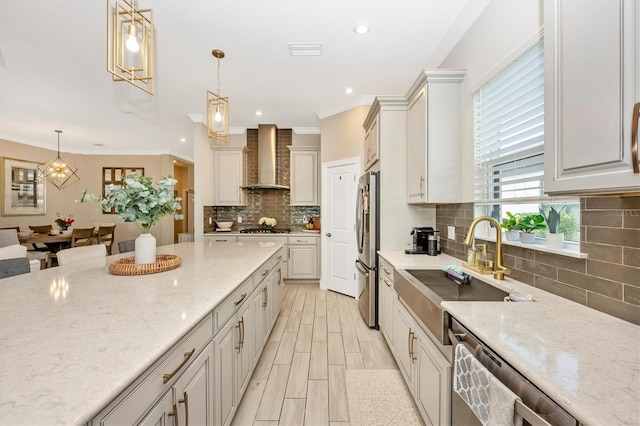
x=472 y=255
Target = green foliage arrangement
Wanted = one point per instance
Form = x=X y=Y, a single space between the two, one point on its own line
x=552 y=217
x=530 y=222
x=138 y=200
x=510 y=222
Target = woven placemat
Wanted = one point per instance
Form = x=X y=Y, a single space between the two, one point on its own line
x=126 y=266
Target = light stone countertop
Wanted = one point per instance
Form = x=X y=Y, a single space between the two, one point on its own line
x=585 y=360
x=65 y=355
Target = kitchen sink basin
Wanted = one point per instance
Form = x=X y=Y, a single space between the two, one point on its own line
x=423 y=291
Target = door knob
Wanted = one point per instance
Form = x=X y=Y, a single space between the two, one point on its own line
x=328 y=234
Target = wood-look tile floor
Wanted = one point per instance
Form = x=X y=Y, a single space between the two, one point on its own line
x=300 y=378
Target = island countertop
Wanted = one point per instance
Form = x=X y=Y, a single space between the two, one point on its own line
x=73 y=337
x=585 y=360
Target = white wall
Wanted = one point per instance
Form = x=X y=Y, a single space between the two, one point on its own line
x=500 y=31
x=342 y=135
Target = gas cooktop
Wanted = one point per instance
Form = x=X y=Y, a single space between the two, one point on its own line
x=264 y=231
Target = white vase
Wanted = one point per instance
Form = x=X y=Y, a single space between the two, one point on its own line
x=512 y=235
x=527 y=237
x=554 y=241
x=145 y=249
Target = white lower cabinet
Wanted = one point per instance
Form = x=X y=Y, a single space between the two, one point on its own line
x=194 y=391
x=425 y=370
x=303 y=258
x=225 y=365
x=163 y=413
x=387 y=303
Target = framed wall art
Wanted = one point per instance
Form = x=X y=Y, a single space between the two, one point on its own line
x=23 y=189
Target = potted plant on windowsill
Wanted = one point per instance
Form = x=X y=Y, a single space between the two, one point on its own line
x=527 y=224
x=139 y=200
x=553 y=239
x=509 y=224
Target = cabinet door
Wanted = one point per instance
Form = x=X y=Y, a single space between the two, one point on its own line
x=387 y=308
x=433 y=378
x=371 y=146
x=405 y=344
x=194 y=391
x=591 y=86
x=163 y=413
x=246 y=357
x=225 y=354
x=303 y=262
x=416 y=148
x=260 y=313
x=304 y=178
x=228 y=178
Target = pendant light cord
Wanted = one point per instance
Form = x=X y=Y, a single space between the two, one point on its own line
x=58 y=132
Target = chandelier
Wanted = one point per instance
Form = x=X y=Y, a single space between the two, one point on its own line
x=218 y=109
x=130 y=44
x=60 y=173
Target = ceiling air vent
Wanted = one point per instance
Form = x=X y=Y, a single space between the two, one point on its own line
x=305 y=49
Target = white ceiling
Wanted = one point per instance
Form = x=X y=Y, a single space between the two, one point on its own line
x=53 y=66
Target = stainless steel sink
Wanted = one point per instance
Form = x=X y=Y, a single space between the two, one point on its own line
x=423 y=291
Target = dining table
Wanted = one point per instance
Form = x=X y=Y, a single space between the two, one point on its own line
x=55 y=242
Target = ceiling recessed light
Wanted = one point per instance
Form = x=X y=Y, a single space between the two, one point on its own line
x=258 y=112
x=348 y=90
x=183 y=139
x=362 y=28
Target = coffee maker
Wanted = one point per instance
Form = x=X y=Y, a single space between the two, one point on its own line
x=420 y=240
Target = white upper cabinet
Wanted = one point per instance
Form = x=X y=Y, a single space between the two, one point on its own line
x=371 y=143
x=592 y=71
x=304 y=176
x=229 y=175
x=434 y=138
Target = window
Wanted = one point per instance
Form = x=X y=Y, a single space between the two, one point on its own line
x=509 y=144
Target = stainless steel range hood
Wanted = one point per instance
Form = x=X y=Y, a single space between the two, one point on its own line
x=266 y=159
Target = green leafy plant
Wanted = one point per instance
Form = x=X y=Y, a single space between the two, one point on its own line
x=530 y=222
x=552 y=217
x=138 y=200
x=510 y=222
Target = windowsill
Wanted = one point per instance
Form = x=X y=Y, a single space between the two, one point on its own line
x=569 y=250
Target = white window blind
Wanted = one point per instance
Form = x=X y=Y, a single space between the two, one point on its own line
x=509 y=131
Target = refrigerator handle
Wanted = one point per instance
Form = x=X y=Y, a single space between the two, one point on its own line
x=361 y=267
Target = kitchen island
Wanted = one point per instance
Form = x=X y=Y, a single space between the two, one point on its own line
x=588 y=362
x=73 y=338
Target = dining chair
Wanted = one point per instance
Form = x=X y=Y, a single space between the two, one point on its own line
x=9 y=237
x=15 y=266
x=81 y=237
x=44 y=230
x=79 y=254
x=126 y=246
x=106 y=235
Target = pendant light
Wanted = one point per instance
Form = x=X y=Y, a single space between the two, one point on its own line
x=218 y=109
x=130 y=44
x=60 y=173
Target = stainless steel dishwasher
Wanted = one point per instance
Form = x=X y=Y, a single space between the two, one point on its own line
x=536 y=408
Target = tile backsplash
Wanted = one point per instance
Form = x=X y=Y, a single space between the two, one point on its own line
x=264 y=202
x=608 y=281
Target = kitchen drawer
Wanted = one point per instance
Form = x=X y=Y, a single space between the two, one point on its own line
x=226 y=309
x=386 y=270
x=220 y=238
x=302 y=240
x=128 y=407
x=263 y=238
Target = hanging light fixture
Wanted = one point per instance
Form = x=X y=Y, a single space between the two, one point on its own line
x=218 y=109
x=60 y=173
x=130 y=45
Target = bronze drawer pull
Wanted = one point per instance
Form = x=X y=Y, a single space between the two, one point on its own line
x=265 y=272
x=187 y=355
x=185 y=401
x=264 y=297
x=634 y=138
x=241 y=299
x=174 y=414
x=386 y=282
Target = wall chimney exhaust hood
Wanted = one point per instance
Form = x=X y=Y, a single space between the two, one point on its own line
x=266 y=159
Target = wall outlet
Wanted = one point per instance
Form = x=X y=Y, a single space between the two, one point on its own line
x=239 y=219
x=451 y=232
x=210 y=220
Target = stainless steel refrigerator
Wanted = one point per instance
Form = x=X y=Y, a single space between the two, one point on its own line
x=367 y=235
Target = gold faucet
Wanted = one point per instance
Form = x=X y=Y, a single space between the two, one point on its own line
x=498 y=269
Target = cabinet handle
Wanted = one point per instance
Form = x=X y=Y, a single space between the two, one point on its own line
x=265 y=272
x=241 y=299
x=242 y=338
x=421 y=186
x=174 y=414
x=185 y=401
x=386 y=271
x=634 y=138
x=187 y=355
x=412 y=337
x=239 y=337
x=386 y=282
x=264 y=297
x=409 y=343
x=279 y=257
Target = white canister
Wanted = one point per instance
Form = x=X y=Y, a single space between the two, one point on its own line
x=145 y=249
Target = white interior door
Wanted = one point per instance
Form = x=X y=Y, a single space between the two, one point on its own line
x=338 y=226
